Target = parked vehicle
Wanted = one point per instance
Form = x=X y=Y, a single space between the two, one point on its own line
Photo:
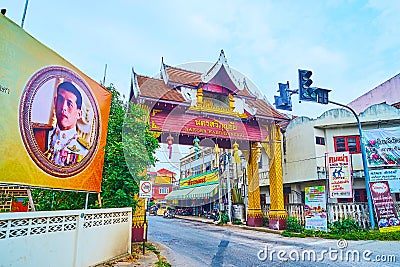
x=153 y=210
x=169 y=214
x=213 y=215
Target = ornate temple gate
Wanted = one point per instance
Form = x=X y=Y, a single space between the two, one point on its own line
x=218 y=109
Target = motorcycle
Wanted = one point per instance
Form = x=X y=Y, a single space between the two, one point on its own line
x=169 y=214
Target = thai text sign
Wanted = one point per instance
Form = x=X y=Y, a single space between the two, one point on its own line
x=392 y=176
x=315 y=208
x=385 y=210
x=183 y=123
x=339 y=175
x=383 y=147
x=199 y=180
x=53 y=118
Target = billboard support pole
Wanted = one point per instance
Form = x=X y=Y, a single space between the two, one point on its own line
x=28 y=191
x=365 y=164
x=87 y=200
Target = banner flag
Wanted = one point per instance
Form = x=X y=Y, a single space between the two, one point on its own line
x=388 y=220
x=315 y=208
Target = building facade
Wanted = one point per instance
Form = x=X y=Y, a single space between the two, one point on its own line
x=308 y=141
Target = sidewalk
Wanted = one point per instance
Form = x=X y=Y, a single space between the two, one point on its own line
x=136 y=259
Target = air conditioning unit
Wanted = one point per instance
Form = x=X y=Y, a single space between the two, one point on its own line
x=358 y=174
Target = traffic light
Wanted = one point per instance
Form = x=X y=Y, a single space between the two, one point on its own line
x=283 y=92
x=322 y=96
x=283 y=101
x=306 y=92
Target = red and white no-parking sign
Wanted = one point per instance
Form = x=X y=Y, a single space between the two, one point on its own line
x=146 y=189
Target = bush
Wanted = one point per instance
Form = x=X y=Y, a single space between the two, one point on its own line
x=344 y=226
x=237 y=222
x=293 y=225
x=265 y=221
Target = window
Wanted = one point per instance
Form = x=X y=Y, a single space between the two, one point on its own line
x=347 y=143
x=320 y=140
x=164 y=190
x=196 y=170
x=260 y=163
x=208 y=166
x=360 y=195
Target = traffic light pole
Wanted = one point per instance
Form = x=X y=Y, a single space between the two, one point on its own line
x=365 y=164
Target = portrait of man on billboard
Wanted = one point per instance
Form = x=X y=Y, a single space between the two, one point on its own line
x=65 y=147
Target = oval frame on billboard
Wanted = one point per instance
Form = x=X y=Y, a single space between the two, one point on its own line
x=31 y=103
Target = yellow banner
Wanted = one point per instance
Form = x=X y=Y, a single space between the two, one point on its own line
x=199 y=180
x=53 y=118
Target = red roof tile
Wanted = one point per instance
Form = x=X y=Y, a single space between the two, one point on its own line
x=244 y=92
x=182 y=76
x=265 y=109
x=155 y=88
x=165 y=171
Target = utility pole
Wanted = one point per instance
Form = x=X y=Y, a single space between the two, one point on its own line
x=228 y=183
x=365 y=164
x=24 y=14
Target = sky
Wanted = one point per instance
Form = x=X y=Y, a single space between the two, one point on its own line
x=350 y=46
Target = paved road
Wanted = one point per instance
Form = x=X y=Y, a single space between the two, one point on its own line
x=189 y=243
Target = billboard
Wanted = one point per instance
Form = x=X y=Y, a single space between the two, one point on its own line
x=339 y=175
x=383 y=147
x=53 y=118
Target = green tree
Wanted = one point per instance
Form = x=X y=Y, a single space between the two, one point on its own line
x=130 y=148
x=129 y=151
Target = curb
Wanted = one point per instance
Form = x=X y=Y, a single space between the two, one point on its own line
x=259 y=229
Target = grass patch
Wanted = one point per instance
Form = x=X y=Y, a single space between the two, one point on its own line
x=162 y=262
x=344 y=229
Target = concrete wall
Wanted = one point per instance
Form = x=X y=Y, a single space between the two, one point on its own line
x=64 y=238
x=300 y=159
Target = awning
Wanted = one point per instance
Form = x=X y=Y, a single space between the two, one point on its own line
x=205 y=191
x=179 y=194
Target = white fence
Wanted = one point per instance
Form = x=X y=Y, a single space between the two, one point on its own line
x=356 y=211
x=64 y=238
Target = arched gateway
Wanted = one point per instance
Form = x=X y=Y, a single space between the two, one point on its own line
x=185 y=104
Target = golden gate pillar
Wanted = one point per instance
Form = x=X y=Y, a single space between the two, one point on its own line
x=254 y=213
x=277 y=214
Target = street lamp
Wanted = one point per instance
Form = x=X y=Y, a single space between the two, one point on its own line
x=365 y=164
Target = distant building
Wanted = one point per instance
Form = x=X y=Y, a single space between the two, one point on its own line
x=163 y=184
x=386 y=93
